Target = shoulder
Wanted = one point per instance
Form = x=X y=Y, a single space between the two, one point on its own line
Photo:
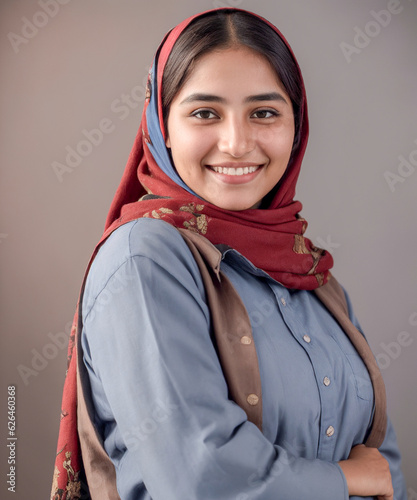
x=143 y=244
x=141 y=237
x=149 y=238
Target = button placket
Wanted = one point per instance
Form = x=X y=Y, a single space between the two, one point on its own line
x=323 y=373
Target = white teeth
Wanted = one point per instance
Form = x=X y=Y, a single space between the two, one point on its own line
x=235 y=171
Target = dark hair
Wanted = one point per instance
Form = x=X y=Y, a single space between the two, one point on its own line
x=225 y=29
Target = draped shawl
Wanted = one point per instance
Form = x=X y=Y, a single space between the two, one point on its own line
x=272 y=238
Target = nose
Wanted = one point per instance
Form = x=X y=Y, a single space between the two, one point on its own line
x=236 y=137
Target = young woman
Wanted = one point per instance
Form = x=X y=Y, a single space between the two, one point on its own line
x=217 y=356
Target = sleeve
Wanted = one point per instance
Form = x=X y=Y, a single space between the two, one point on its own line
x=164 y=409
x=389 y=448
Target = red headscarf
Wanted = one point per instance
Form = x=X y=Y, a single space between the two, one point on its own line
x=271 y=238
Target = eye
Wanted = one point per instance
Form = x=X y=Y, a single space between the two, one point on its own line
x=204 y=114
x=265 y=113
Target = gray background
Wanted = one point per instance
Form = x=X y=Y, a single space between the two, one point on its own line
x=69 y=76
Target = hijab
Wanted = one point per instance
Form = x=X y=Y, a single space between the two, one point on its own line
x=272 y=238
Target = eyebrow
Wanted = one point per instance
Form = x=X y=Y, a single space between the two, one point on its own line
x=268 y=96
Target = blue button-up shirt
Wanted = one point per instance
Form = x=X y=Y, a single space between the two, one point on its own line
x=161 y=400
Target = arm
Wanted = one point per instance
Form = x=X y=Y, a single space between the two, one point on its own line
x=164 y=404
x=389 y=450
x=368 y=470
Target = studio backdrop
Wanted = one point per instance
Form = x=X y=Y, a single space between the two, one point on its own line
x=72 y=91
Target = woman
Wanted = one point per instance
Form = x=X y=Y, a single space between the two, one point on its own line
x=174 y=400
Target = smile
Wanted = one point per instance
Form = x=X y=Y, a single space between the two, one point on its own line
x=235 y=171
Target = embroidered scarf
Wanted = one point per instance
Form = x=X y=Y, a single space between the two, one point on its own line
x=272 y=238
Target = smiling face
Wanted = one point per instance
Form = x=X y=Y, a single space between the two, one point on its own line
x=231 y=129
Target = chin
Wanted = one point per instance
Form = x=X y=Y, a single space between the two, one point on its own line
x=238 y=206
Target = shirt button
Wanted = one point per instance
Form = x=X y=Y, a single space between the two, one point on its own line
x=330 y=431
x=252 y=399
x=326 y=381
x=246 y=340
x=283 y=302
x=307 y=339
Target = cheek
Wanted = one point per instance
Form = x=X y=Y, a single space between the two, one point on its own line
x=191 y=146
x=277 y=148
x=276 y=142
x=186 y=156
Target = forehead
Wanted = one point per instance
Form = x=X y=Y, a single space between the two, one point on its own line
x=241 y=68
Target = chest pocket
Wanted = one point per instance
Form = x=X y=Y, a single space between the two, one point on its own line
x=360 y=377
